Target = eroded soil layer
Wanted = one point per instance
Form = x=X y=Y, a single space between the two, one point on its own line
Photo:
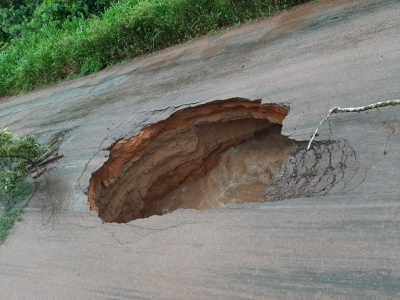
x=165 y=166
x=243 y=174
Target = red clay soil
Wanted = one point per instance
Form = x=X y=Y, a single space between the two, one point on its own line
x=140 y=171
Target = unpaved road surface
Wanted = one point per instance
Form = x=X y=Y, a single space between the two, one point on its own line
x=345 y=245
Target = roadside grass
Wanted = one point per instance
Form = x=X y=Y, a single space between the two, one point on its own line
x=14 y=205
x=129 y=28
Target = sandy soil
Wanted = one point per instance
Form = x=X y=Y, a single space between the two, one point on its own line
x=342 y=246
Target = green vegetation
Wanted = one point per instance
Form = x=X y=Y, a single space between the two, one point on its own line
x=19 y=17
x=13 y=207
x=17 y=156
x=47 y=41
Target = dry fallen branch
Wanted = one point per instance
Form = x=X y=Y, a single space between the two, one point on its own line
x=38 y=167
x=37 y=170
x=353 y=109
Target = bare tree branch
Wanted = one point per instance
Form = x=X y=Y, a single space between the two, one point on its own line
x=352 y=109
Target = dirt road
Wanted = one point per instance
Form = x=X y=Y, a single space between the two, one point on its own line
x=342 y=246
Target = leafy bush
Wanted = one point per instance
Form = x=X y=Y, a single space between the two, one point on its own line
x=17 y=155
x=23 y=17
x=65 y=43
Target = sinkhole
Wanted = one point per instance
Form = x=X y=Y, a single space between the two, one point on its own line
x=203 y=157
x=200 y=157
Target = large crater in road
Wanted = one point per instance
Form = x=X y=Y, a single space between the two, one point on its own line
x=200 y=157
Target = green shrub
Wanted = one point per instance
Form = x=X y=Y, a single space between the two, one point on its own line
x=63 y=47
x=17 y=155
x=20 y=18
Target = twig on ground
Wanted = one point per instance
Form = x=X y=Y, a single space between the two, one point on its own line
x=38 y=167
x=354 y=109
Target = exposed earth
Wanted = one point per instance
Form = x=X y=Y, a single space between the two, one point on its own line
x=332 y=238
